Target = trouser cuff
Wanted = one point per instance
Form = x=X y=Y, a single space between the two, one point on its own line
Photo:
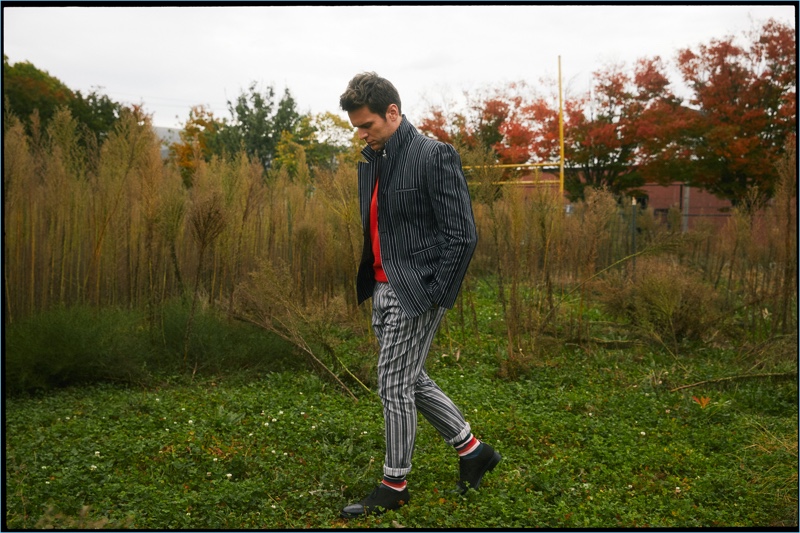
x=396 y=472
x=461 y=436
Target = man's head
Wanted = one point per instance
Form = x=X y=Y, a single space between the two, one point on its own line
x=373 y=105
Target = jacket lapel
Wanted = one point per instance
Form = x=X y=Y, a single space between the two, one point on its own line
x=367 y=174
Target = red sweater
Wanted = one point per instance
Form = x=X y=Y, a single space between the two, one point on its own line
x=380 y=275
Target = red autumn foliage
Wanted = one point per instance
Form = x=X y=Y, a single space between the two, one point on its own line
x=632 y=128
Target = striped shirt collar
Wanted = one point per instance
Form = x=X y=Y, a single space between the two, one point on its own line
x=401 y=135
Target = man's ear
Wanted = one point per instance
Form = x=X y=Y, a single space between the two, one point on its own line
x=392 y=112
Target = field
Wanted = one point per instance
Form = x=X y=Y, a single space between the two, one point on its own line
x=593 y=434
x=186 y=352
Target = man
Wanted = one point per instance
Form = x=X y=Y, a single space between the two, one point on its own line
x=419 y=236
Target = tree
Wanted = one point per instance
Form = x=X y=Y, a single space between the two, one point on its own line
x=320 y=141
x=605 y=128
x=745 y=102
x=631 y=128
x=26 y=89
x=333 y=138
x=97 y=111
x=199 y=140
x=493 y=121
x=256 y=126
x=611 y=132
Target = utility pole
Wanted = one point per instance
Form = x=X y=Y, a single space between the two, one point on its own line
x=560 y=131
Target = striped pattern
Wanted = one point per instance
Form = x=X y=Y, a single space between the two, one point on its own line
x=471 y=445
x=427 y=228
x=404 y=386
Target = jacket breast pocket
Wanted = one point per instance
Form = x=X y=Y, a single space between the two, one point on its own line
x=410 y=205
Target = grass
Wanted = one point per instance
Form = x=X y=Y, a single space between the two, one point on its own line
x=591 y=438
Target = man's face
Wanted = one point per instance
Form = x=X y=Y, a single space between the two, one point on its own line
x=372 y=128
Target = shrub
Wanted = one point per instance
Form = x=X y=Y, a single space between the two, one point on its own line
x=217 y=343
x=70 y=346
x=667 y=301
x=81 y=345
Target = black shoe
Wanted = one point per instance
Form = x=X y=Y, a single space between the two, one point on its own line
x=471 y=471
x=379 y=501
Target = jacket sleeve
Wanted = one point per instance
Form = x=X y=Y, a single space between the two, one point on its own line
x=456 y=223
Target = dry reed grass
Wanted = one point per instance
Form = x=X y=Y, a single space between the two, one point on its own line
x=119 y=227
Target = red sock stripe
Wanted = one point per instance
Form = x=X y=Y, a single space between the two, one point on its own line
x=395 y=486
x=469 y=447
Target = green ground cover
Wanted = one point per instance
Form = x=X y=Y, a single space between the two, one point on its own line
x=591 y=438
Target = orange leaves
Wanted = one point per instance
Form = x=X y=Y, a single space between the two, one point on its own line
x=650 y=78
x=702 y=401
x=436 y=126
x=197 y=139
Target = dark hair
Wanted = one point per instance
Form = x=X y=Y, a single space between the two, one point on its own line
x=369 y=89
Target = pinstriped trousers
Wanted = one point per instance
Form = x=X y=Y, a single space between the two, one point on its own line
x=404 y=386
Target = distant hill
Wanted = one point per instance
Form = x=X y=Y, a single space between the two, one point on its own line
x=168 y=136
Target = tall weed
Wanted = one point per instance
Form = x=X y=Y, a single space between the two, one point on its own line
x=664 y=300
x=117 y=227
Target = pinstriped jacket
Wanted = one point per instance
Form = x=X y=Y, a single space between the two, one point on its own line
x=425 y=220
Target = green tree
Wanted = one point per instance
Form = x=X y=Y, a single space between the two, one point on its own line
x=257 y=124
x=97 y=112
x=326 y=137
x=27 y=89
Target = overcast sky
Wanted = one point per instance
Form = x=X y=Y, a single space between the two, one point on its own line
x=171 y=58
